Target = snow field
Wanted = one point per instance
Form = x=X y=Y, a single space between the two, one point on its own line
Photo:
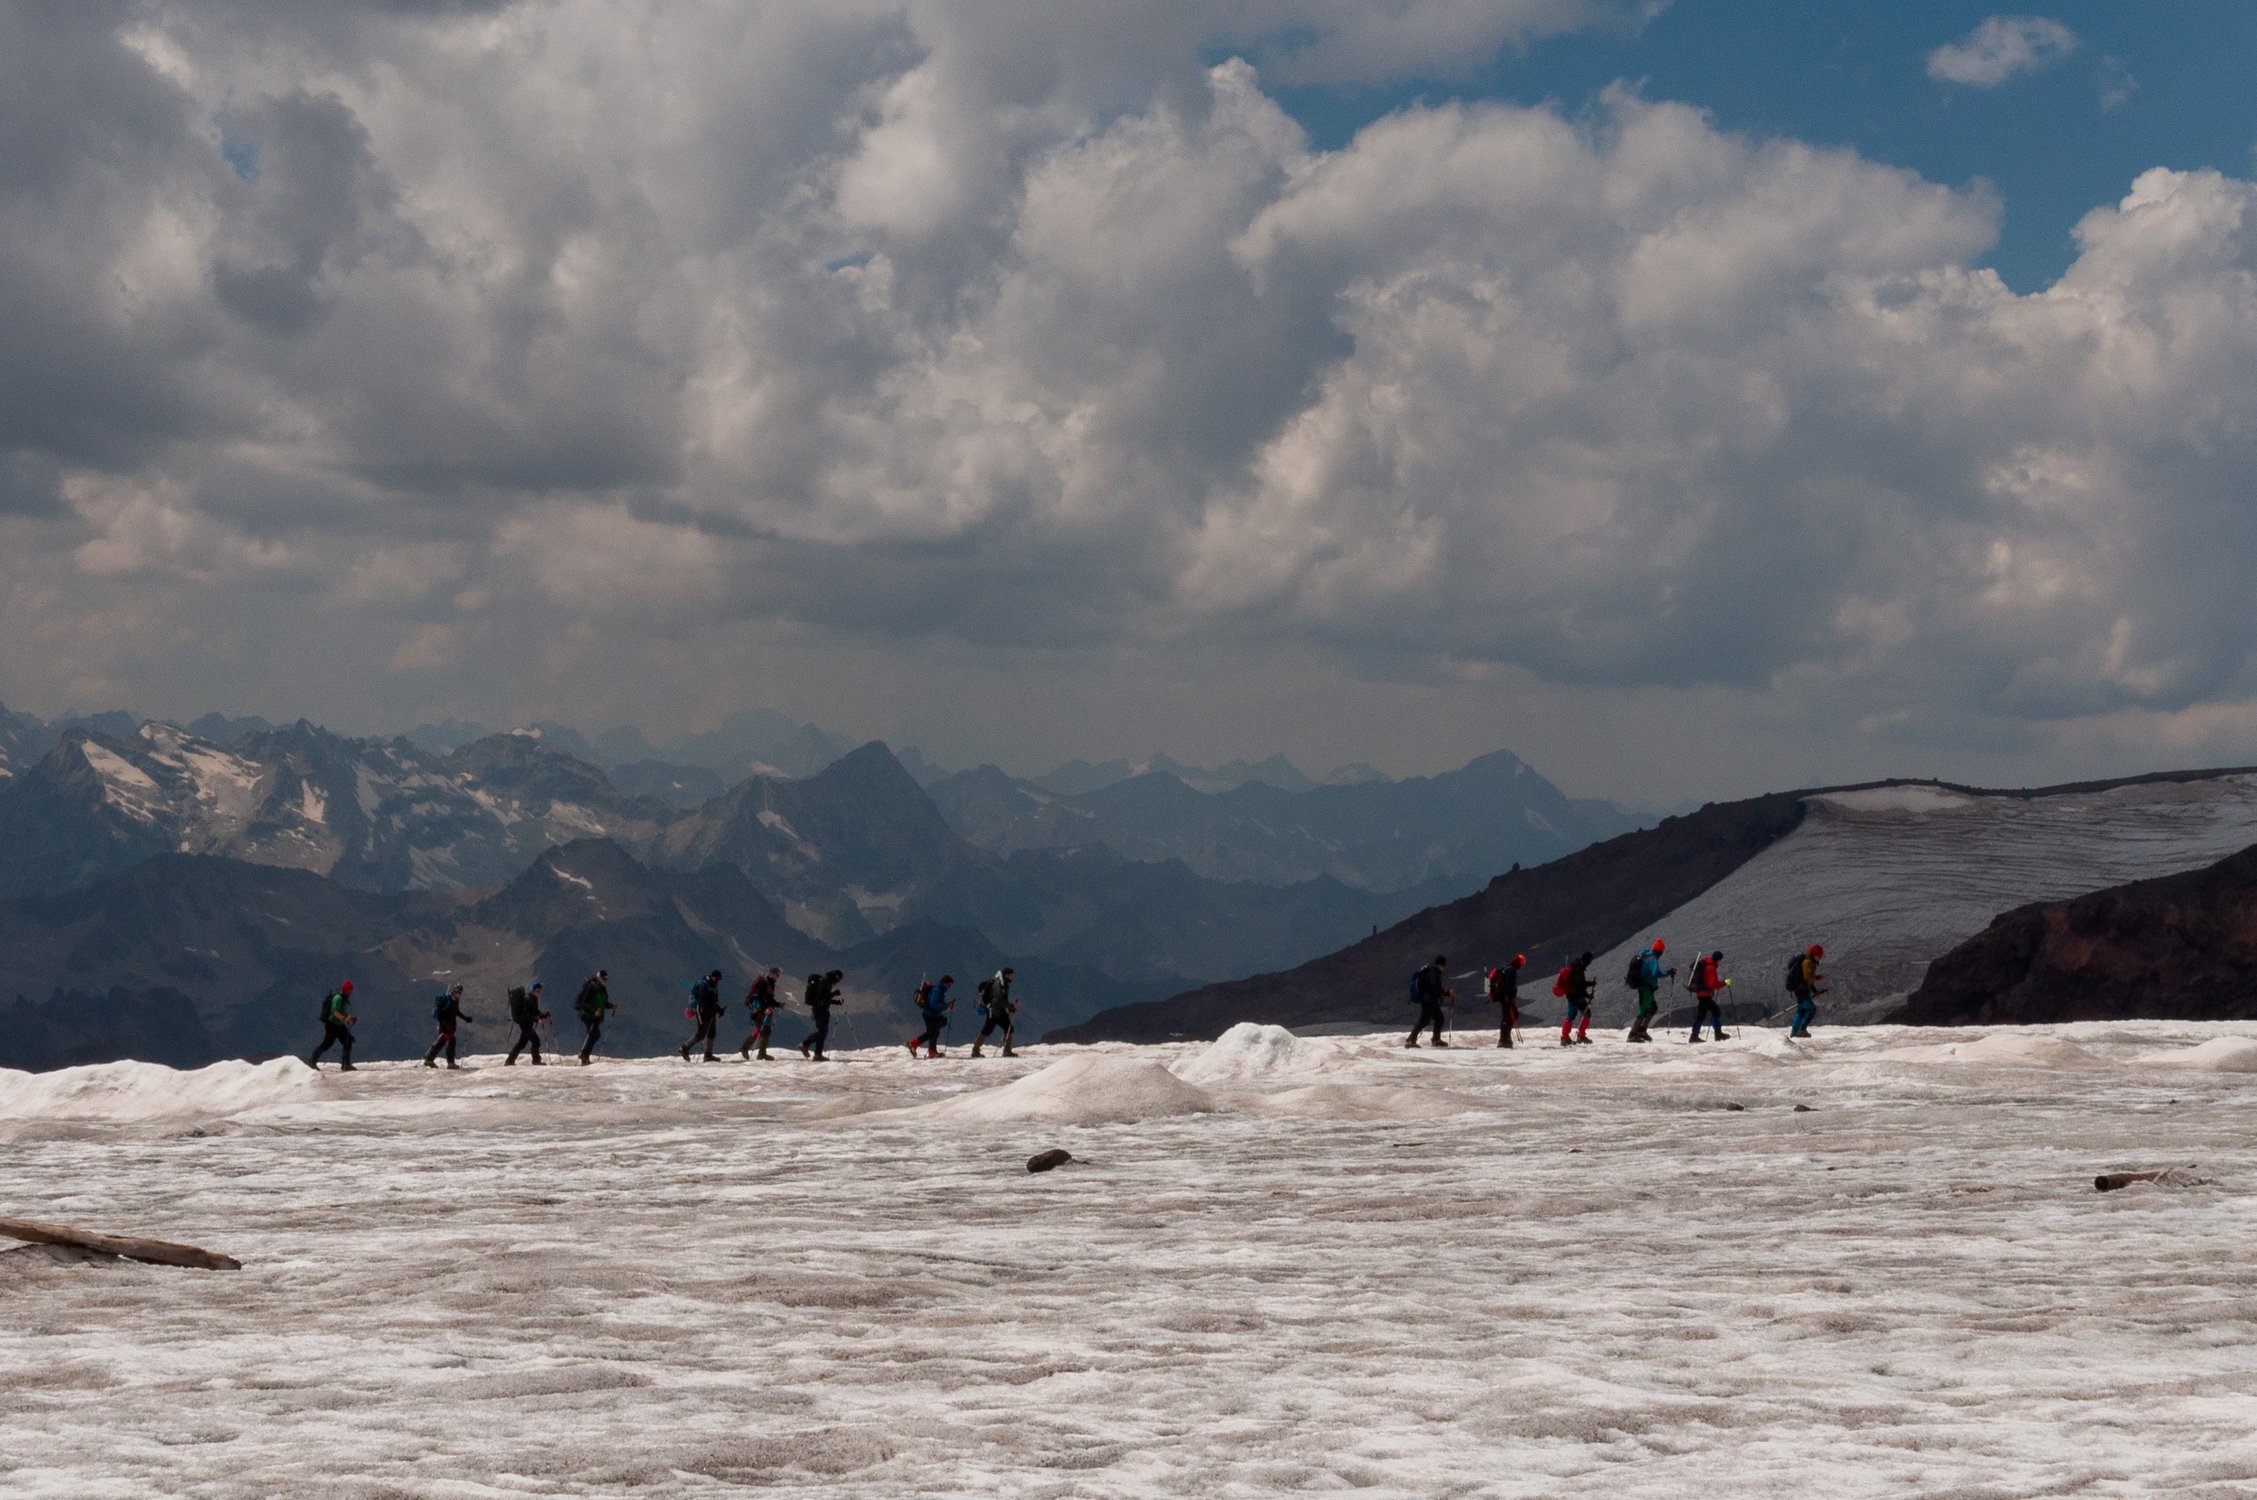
x=1587 y=1276
x=1892 y=878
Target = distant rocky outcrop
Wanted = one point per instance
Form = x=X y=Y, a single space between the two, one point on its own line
x=2180 y=947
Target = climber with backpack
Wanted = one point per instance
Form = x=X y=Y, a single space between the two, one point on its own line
x=996 y=1010
x=1707 y=983
x=1427 y=993
x=337 y=1023
x=1575 y=987
x=1806 y=984
x=761 y=1005
x=526 y=1015
x=705 y=1009
x=591 y=1005
x=1504 y=993
x=822 y=994
x=1645 y=976
x=933 y=1006
x=446 y=1011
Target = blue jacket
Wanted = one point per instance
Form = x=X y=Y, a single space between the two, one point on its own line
x=1649 y=972
x=934 y=1002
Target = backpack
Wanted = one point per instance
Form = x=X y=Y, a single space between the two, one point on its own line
x=585 y=1003
x=1795 y=985
x=520 y=1005
x=1635 y=979
x=327 y=1015
x=1559 y=985
x=987 y=991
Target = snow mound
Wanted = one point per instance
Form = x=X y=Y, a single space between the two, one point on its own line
x=133 y=1092
x=1081 y=1091
x=1363 y=1101
x=2004 y=1050
x=1252 y=1050
x=2220 y=1054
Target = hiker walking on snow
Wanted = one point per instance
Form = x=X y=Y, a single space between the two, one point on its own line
x=996 y=1010
x=1504 y=993
x=1574 y=986
x=822 y=994
x=1707 y=983
x=760 y=1005
x=933 y=1005
x=337 y=1022
x=526 y=1014
x=1806 y=984
x=1427 y=993
x=592 y=1005
x=447 y=1011
x=1645 y=977
x=706 y=1006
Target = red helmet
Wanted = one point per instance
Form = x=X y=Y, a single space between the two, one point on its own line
x=1660 y=946
x=346 y=988
x=1520 y=960
x=1817 y=950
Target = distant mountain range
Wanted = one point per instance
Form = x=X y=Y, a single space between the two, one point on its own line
x=1126 y=893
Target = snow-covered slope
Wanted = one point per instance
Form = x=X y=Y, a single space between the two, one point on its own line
x=1540 y=1273
x=1890 y=878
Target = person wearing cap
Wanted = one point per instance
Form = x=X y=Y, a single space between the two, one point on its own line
x=1806 y=984
x=996 y=1010
x=337 y=1022
x=1504 y=993
x=1646 y=976
x=760 y=1005
x=1708 y=982
x=591 y=1005
x=448 y=1012
x=525 y=1011
x=1428 y=992
x=706 y=1006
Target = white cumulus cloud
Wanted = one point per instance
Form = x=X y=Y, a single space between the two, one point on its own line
x=2000 y=48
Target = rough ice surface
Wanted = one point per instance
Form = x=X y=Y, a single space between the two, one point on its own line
x=1588 y=1277
x=130 y=1092
x=1085 y=1089
x=1891 y=878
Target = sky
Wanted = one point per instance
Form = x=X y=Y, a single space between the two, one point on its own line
x=1693 y=398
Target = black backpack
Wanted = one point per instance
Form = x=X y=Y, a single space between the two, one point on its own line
x=439 y=1007
x=1795 y=985
x=1637 y=970
x=520 y=1004
x=325 y=1015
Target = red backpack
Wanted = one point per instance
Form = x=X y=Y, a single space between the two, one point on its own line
x=1559 y=985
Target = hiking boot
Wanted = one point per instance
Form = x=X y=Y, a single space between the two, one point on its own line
x=1007 y=1052
x=454 y=1067
x=912 y=1047
x=803 y=1052
x=1696 y=1036
x=976 y=1049
x=1413 y=1042
x=1440 y=1043
x=347 y=1068
x=427 y=1062
x=1567 y=1041
x=538 y=1063
x=1724 y=1036
x=685 y=1051
x=1582 y=1041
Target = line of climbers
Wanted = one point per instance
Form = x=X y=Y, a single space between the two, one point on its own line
x=1430 y=992
x=594 y=1005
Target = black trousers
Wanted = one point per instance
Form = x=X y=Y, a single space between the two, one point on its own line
x=1508 y=1015
x=443 y=1042
x=528 y=1035
x=762 y=1022
x=822 y=1031
x=995 y=1022
x=707 y=1026
x=931 y=1038
x=334 y=1034
x=595 y=1034
x=1706 y=1010
x=1429 y=1014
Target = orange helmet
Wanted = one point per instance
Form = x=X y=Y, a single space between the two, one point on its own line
x=1660 y=946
